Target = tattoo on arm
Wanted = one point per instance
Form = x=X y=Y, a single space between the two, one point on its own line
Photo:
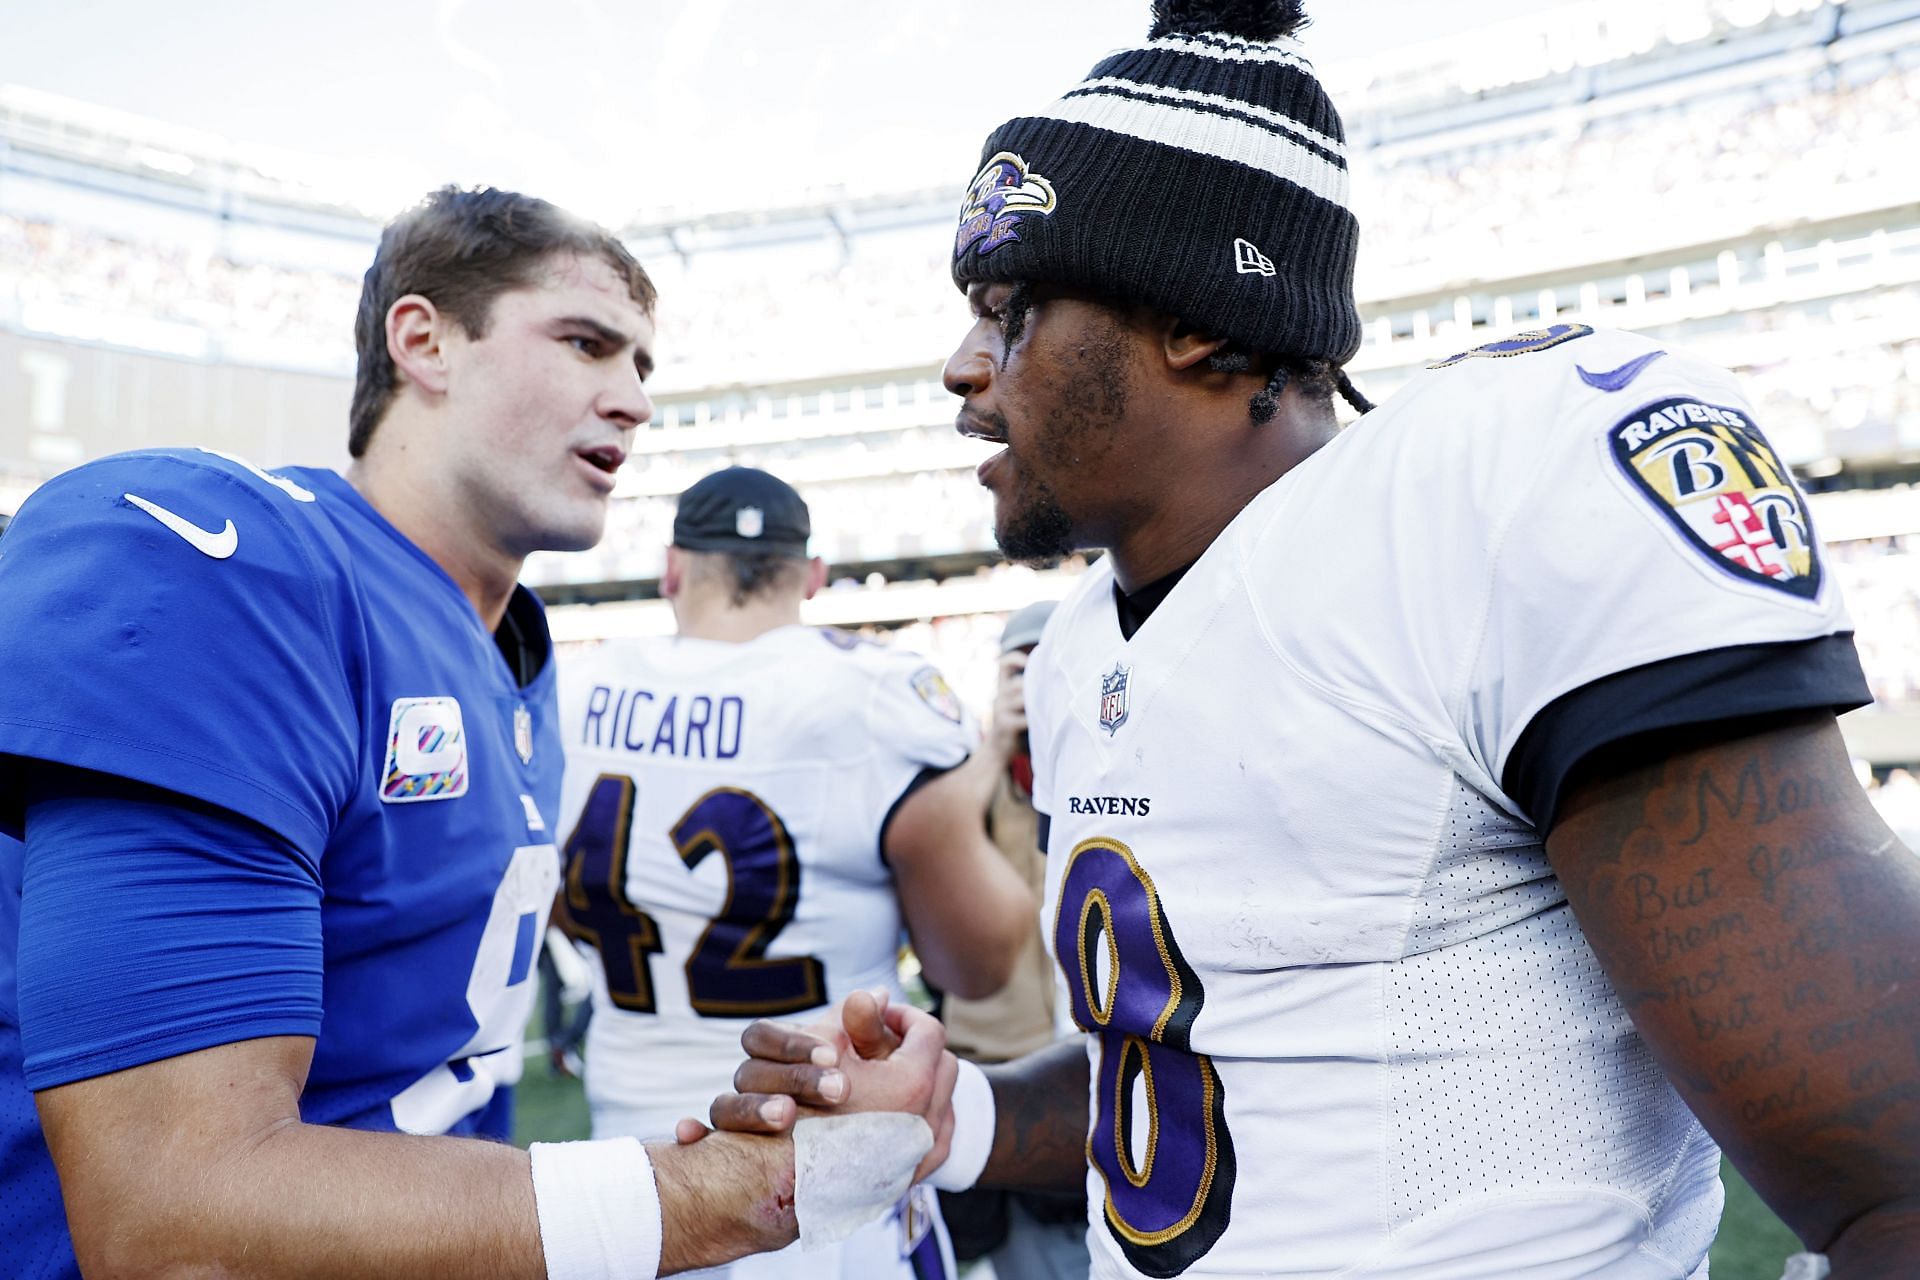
x=1040 y=1120
x=1762 y=926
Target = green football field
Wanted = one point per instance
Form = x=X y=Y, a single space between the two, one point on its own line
x=1752 y=1246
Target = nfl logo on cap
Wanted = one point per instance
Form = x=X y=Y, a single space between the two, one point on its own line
x=749 y=522
x=1113 y=698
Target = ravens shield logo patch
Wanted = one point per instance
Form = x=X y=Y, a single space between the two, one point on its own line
x=1710 y=472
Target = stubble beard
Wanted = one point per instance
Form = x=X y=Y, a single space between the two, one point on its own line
x=1037 y=530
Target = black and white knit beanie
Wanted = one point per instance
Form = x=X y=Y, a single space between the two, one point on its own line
x=1203 y=173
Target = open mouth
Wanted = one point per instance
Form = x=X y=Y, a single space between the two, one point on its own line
x=606 y=457
x=977 y=429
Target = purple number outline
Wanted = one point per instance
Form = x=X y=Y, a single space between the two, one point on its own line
x=728 y=971
x=594 y=907
x=729 y=974
x=1168 y=1214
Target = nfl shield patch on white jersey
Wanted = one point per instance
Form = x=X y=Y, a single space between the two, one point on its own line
x=426 y=751
x=1114 y=698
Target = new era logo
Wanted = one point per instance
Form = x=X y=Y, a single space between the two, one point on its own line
x=1247 y=259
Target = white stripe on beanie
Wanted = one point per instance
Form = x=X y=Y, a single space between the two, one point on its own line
x=1226 y=49
x=1205 y=133
x=1285 y=123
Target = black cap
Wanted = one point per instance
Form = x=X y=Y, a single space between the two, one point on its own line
x=741 y=510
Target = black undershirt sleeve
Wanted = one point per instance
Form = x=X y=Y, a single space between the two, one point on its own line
x=1696 y=688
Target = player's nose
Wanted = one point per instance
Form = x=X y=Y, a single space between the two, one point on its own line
x=969 y=369
x=626 y=401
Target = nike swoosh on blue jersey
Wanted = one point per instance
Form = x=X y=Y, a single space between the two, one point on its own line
x=219 y=544
x=1618 y=379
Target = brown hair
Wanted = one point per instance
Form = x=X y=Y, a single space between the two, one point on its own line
x=746 y=575
x=463 y=249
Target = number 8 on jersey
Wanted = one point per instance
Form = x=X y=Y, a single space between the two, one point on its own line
x=1169 y=1194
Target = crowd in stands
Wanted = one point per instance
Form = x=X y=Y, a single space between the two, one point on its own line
x=1760 y=156
x=892 y=448
x=199 y=288
x=901 y=485
x=884 y=301
x=1858 y=401
x=1881 y=578
x=921 y=513
x=1896 y=794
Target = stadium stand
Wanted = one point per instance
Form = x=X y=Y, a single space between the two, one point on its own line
x=1733 y=176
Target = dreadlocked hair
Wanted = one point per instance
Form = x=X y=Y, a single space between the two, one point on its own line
x=1351 y=394
x=1013 y=317
x=1317 y=379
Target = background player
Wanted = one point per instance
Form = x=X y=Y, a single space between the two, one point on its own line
x=283 y=750
x=1547 y=635
x=756 y=807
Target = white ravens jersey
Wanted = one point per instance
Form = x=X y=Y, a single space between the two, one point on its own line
x=724 y=806
x=1344 y=1021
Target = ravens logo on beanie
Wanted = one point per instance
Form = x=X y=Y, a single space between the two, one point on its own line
x=1203 y=173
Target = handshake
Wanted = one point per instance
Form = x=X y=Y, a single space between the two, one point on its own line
x=870 y=1101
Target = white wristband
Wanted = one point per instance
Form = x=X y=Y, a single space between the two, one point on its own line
x=972 y=1142
x=1807 y=1266
x=599 y=1210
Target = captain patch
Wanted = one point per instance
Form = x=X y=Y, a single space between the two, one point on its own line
x=426 y=751
x=1710 y=472
x=937 y=693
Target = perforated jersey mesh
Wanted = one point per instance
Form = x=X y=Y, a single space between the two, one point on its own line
x=1490 y=871
x=1513 y=1066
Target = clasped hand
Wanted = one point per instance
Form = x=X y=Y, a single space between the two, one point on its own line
x=869 y=1055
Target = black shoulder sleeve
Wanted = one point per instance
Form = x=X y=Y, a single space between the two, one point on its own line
x=1696 y=688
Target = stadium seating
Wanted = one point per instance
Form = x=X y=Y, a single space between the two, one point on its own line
x=1729 y=175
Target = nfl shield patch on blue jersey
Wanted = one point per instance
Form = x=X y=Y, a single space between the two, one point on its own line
x=426 y=751
x=1710 y=472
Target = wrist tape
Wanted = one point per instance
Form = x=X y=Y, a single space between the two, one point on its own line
x=599 y=1210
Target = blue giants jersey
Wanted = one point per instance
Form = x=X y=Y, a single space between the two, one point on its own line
x=268 y=646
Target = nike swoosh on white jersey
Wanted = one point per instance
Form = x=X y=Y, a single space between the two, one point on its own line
x=218 y=545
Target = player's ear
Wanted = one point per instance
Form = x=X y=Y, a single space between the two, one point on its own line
x=416 y=341
x=816 y=576
x=1186 y=345
x=674 y=576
